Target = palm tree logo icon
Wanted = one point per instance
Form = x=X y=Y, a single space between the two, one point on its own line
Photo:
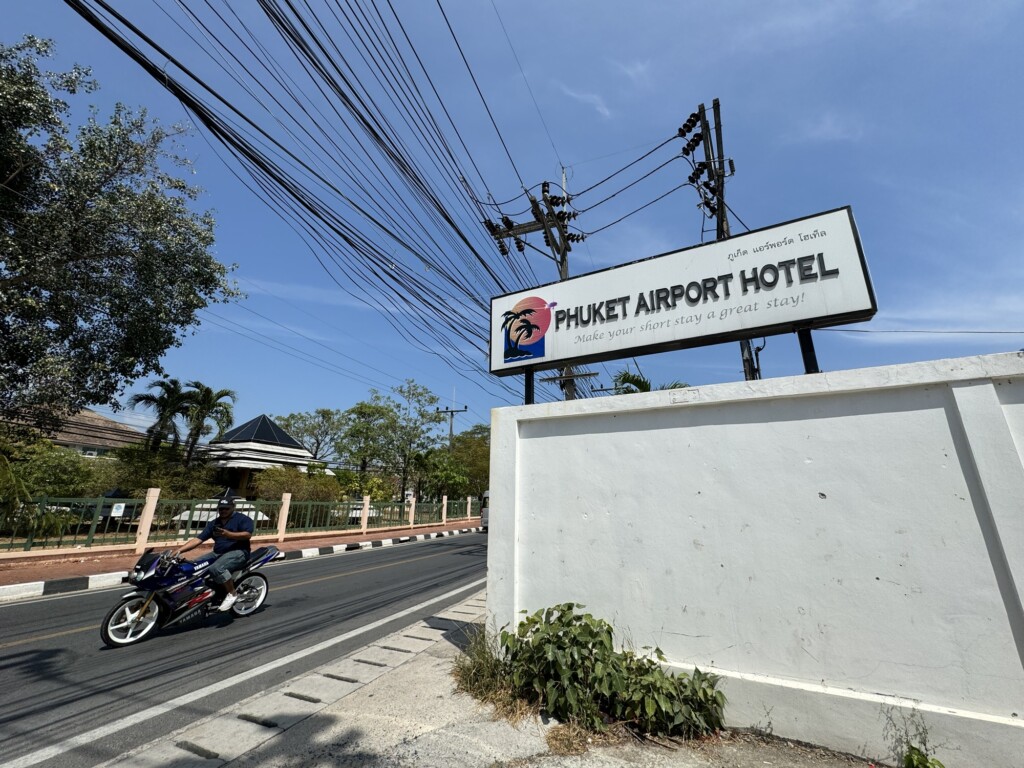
x=523 y=328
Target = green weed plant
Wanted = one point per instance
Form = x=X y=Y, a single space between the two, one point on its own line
x=917 y=758
x=565 y=662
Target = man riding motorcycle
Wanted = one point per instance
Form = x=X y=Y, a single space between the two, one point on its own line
x=231 y=531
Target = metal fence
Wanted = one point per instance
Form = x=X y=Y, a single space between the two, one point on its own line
x=387 y=515
x=61 y=523
x=428 y=513
x=51 y=523
x=312 y=516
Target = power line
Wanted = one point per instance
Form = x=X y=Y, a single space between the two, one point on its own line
x=528 y=88
x=480 y=93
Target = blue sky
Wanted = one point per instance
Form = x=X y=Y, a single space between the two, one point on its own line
x=910 y=111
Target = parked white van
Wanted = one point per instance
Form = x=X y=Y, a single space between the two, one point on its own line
x=485 y=510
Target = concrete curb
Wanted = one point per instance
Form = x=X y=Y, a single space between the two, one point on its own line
x=103 y=580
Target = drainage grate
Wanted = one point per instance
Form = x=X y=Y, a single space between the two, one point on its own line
x=393 y=648
x=371 y=663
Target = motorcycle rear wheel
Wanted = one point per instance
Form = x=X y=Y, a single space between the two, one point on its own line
x=252 y=591
x=124 y=625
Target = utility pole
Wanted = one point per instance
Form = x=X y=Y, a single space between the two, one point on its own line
x=716 y=186
x=451 y=421
x=553 y=223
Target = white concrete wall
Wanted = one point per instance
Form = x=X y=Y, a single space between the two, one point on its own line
x=844 y=548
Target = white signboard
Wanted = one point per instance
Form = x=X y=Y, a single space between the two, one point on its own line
x=117 y=510
x=808 y=273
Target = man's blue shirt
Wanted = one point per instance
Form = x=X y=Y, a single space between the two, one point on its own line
x=221 y=544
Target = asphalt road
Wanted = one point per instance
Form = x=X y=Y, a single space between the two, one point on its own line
x=58 y=681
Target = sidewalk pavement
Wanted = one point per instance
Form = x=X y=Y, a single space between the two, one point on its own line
x=393 y=703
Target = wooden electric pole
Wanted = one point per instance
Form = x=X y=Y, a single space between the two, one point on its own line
x=715 y=157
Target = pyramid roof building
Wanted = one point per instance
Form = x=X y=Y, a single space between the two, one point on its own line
x=258 y=444
x=260 y=430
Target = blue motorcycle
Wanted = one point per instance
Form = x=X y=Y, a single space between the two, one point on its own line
x=170 y=591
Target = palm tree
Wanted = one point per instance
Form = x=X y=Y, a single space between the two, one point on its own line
x=629 y=383
x=205 y=403
x=508 y=326
x=169 y=404
x=525 y=330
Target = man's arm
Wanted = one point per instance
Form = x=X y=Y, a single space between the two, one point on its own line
x=190 y=544
x=195 y=541
x=235 y=535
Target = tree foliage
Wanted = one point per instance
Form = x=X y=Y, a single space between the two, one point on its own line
x=195 y=406
x=472 y=451
x=319 y=431
x=416 y=428
x=365 y=443
x=206 y=404
x=13 y=492
x=138 y=468
x=313 y=485
x=46 y=469
x=103 y=262
x=440 y=474
x=355 y=485
x=169 y=403
x=629 y=383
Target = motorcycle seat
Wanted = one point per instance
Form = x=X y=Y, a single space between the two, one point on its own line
x=256 y=554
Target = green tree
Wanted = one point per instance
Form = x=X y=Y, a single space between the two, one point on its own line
x=365 y=442
x=472 y=451
x=320 y=431
x=13 y=493
x=416 y=428
x=273 y=482
x=313 y=485
x=170 y=403
x=441 y=474
x=140 y=468
x=103 y=262
x=629 y=383
x=355 y=485
x=46 y=469
x=206 y=404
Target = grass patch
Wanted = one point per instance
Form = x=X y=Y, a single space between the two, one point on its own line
x=481 y=672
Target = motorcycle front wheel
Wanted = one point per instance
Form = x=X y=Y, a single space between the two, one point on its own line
x=252 y=591
x=126 y=623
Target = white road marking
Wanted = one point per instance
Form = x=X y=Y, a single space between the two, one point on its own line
x=91 y=737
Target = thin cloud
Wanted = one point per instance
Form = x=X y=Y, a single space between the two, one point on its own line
x=591 y=99
x=944 y=318
x=331 y=295
x=638 y=72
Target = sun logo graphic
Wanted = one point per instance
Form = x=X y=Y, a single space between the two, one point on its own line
x=523 y=328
